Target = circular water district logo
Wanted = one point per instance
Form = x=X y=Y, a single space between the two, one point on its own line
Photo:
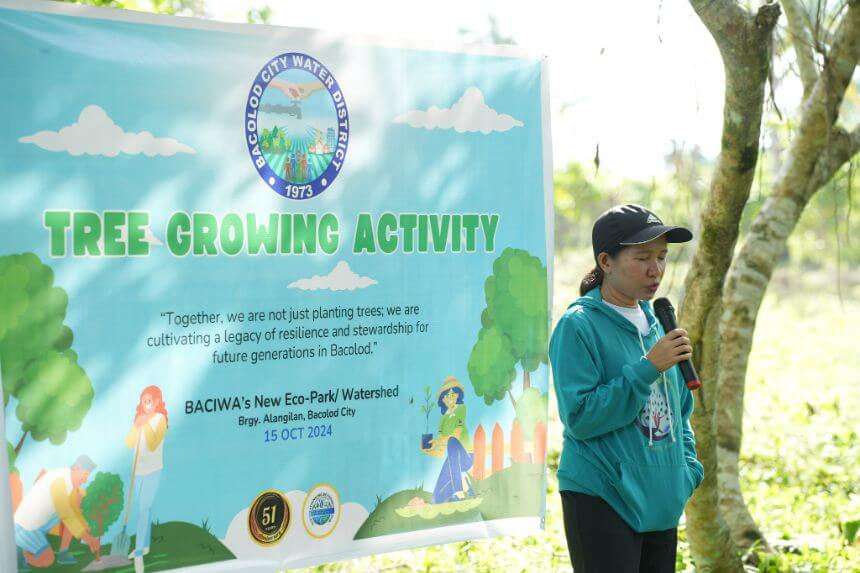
x=296 y=125
x=269 y=517
x=321 y=510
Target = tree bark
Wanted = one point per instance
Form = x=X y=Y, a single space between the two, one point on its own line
x=527 y=382
x=20 y=443
x=816 y=153
x=801 y=40
x=745 y=44
x=712 y=546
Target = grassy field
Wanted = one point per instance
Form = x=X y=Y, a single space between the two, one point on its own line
x=801 y=454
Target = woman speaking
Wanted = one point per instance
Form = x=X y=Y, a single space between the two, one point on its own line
x=628 y=463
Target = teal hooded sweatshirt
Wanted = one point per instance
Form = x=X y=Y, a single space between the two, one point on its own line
x=627 y=434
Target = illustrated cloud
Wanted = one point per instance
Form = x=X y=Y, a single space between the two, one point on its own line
x=95 y=133
x=297 y=544
x=470 y=114
x=341 y=278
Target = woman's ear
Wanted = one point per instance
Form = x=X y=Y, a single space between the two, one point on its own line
x=604 y=262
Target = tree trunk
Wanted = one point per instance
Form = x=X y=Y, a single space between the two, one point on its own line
x=744 y=41
x=527 y=382
x=713 y=548
x=513 y=402
x=816 y=153
x=20 y=443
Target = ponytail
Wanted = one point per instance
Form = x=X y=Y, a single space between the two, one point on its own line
x=594 y=278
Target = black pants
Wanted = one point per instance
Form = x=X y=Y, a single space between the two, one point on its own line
x=599 y=541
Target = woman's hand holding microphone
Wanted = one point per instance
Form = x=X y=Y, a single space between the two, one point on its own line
x=670 y=350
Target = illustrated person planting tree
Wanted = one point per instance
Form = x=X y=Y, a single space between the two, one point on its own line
x=53 y=500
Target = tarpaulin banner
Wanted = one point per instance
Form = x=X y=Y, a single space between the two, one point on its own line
x=269 y=297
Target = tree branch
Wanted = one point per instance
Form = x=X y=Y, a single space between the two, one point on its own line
x=21 y=443
x=816 y=132
x=842 y=147
x=839 y=64
x=801 y=39
x=721 y=17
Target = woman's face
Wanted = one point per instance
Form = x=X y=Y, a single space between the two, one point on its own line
x=148 y=403
x=450 y=400
x=637 y=270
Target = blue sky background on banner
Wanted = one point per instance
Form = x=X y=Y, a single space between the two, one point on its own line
x=191 y=85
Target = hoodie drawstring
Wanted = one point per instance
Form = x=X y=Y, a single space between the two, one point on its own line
x=669 y=405
x=665 y=393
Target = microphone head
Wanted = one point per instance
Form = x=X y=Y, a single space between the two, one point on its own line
x=665 y=314
x=662 y=304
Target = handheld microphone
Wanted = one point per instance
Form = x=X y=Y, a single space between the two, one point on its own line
x=666 y=315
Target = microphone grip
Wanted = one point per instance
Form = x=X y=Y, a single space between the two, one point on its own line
x=689 y=374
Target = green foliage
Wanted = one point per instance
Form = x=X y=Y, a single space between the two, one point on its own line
x=31 y=317
x=10 y=453
x=578 y=202
x=801 y=452
x=517 y=305
x=103 y=502
x=183 y=7
x=492 y=365
x=57 y=399
x=38 y=366
x=514 y=324
x=824 y=233
x=580 y=196
x=531 y=409
x=259 y=15
x=850 y=529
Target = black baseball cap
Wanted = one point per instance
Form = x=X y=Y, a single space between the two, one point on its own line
x=631 y=224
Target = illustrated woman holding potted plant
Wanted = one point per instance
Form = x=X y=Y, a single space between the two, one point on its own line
x=454 y=443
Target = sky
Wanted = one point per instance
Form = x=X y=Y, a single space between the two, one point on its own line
x=629 y=76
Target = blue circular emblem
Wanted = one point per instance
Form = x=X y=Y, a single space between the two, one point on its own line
x=296 y=125
x=321 y=510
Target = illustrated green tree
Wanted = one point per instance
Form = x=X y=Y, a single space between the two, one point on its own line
x=57 y=398
x=492 y=365
x=102 y=504
x=38 y=367
x=265 y=139
x=31 y=317
x=515 y=325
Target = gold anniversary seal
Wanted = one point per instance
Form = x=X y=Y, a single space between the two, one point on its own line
x=269 y=517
